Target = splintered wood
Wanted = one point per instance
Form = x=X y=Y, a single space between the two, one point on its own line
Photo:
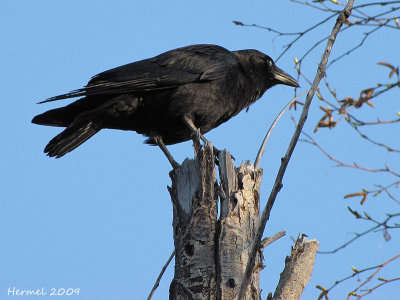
x=212 y=251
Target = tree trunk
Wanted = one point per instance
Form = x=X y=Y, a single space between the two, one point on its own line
x=212 y=250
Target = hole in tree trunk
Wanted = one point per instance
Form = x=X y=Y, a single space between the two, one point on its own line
x=234 y=202
x=189 y=249
x=231 y=283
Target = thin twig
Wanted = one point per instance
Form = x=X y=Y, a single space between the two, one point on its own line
x=385 y=189
x=374 y=228
x=379 y=3
x=351 y=120
x=269 y=240
x=366 y=35
x=312 y=5
x=264 y=143
x=356 y=272
x=386 y=281
x=370 y=277
x=343 y=16
x=342 y=164
x=157 y=283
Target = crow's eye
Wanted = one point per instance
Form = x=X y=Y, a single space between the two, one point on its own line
x=269 y=63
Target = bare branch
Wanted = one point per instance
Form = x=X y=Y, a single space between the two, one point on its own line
x=377 y=4
x=324 y=8
x=343 y=16
x=269 y=240
x=384 y=281
x=361 y=19
x=279 y=33
x=356 y=272
x=366 y=35
x=262 y=147
x=344 y=107
x=342 y=164
x=380 y=226
x=353 y=292
x=385 y=189
x=157 y=283
x=362 y=135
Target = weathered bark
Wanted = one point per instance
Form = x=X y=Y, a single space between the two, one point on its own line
x=194 y=201
x=240 y=212
x=298 y=270
x=212 y=251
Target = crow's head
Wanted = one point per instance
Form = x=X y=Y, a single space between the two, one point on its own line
x=263 y=69
x=274 y=75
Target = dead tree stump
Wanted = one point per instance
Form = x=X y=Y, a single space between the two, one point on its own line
x=212 y=249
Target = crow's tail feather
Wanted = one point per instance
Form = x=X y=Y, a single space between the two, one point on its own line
x=72 y=137
x=54 y=117
x=64 y=116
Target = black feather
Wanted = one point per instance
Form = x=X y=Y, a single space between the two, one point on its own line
x=71 y=138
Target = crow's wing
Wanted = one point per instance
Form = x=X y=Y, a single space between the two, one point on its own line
x=195 y=63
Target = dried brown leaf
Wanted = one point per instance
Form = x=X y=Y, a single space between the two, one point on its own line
x=365 y=95
x=354 y=195
x=393 y=70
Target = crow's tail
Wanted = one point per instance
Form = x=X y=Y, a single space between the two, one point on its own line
x=73 y=136
x=63 y=116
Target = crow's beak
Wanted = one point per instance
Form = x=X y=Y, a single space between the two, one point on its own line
x=284 y=78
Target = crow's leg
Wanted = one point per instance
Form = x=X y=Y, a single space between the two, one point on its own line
x=160 y=143
x=196 y=132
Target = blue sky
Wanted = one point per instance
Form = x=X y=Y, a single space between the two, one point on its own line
x=99 y=219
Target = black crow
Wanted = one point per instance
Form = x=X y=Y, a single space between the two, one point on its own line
x=167 y=98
